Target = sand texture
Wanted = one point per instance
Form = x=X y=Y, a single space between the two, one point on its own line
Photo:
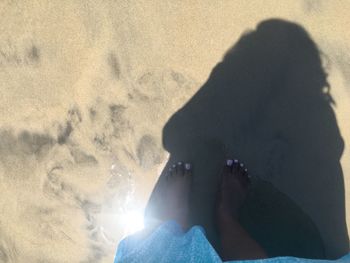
x=97 y=97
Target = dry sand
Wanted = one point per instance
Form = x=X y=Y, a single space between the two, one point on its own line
x=86 y=89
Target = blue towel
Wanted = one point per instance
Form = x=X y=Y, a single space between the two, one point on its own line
x=169 y=243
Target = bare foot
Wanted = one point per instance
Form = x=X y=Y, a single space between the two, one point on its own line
x=233 y=189
x=236 y=243
x=176 y=197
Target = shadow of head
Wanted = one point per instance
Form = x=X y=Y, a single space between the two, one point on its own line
x=268 y=104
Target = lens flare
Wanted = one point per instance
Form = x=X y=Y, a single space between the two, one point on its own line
x=132 y=221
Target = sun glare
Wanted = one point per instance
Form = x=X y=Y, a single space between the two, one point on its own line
x=132 y=221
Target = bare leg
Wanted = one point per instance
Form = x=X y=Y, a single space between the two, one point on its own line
x=177 y=194
x=174 y=200
x=235 y=241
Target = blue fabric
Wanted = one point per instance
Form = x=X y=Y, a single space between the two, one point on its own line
x=168 y=243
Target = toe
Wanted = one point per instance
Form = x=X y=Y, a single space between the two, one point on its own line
x=235 y=167
x=188 y=169
x=246 y=176
x=180 y=169
x=228 y=166
x=241 y=168
x=171 y=171
x=227 y=172
x=243 y=175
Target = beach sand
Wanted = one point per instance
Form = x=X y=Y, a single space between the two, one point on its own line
x=86 y=89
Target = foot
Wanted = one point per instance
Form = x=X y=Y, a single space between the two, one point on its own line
x=176 y=199
x=233 y=190
x=236 y=243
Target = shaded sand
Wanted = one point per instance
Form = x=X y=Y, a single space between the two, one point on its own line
x=86 y=90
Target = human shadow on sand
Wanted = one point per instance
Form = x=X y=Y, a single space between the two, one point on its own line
x=267 y=104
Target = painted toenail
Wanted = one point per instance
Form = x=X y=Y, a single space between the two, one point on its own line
x=246 y=170
x=179 y=163
x=241 y=165
x=235 y=161
x=229 y=162
x=174 y=166
x=187 y=166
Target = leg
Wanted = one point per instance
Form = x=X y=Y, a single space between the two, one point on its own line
x=173 y=200
x=236 y=243
x=177 y=194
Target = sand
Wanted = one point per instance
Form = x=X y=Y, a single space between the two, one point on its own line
x=86 y=89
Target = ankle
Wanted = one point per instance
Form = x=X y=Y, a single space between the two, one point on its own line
x=226 y=214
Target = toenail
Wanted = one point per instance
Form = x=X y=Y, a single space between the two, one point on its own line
x=246 y=170
x=179 y=163
x=229 y=162
x=235 y=161
x=241 y=165
x=174 y=166
x=187 y=166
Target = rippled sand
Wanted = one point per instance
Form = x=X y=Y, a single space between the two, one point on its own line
x=86 y=89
